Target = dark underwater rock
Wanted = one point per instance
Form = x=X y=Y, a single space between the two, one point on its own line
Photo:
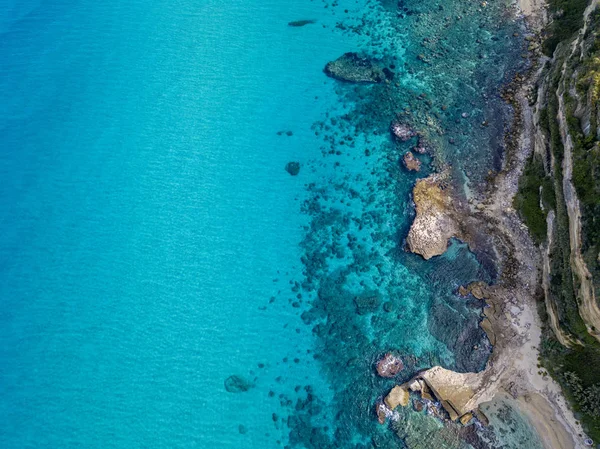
x=293 y=168
x=368 y=302
x=418 y=405
x=462 y=335
x=237 y=384
x=353 y=68
x=301 y=23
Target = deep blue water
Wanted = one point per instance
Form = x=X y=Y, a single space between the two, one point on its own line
x=152 y=244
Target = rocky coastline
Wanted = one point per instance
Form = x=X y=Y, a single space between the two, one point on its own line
x=457 y=157
x=511 y=322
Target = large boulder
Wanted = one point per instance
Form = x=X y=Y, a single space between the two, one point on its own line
x=423 y=147
x=353 y=68
x=411 y=162
x=402 y=131
x=397 y=396
x=381 y=411
x=455 y=391
x=389 y=365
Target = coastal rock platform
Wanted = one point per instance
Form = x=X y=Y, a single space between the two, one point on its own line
x=434 y=223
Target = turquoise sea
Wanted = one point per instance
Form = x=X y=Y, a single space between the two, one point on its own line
x=155 y=253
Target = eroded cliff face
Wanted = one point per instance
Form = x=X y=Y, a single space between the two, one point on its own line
x=566 y=145
x=566 y=141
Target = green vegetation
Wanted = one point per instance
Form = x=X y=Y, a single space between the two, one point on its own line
x=586 y=149
x=567 y=18
x=562 y=290
x=588 y=398
x=576 y=369
x=535 y=197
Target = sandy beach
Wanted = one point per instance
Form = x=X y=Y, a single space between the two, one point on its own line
x=529 y=7
x=547 y=423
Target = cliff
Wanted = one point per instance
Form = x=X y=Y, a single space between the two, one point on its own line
x=559 y=199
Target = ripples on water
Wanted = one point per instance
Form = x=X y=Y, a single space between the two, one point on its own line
x=149 y=246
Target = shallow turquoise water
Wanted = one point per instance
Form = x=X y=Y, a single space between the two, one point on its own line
x=153 y=245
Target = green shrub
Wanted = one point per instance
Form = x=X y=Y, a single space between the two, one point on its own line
x=567 y=19
x=528 y=200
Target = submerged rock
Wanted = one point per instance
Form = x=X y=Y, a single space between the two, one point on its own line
x=353 y=68
x=367 y=303
x=433 y=225
x=301 y=23
x=389 y=365
x=411 y=162
x=423 y=146
x=293 y=168
x=237 y=384
x=461 y=334
x=402 y=131
x=418 y=405
x=397 y=396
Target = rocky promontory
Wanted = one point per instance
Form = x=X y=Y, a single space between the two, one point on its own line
x=455 y=391
x=434 y=223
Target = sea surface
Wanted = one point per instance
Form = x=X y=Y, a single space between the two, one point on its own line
x=165 y=282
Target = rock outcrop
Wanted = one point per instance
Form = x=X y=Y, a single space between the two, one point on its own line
x=402 y=131
x=411 y=162
x=353 y=68
x=389 y=365
x=454 y=391
x=397 y=396
x=434 y=223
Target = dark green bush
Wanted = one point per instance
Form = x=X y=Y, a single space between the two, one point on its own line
x=528 y=200
x=567 y=18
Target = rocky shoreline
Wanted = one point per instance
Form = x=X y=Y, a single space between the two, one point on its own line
x=451 y=148
x=511 y=321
